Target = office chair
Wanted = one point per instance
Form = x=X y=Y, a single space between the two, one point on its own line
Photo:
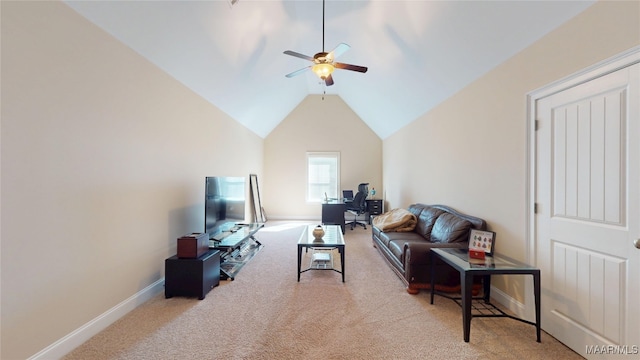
x=358 y=206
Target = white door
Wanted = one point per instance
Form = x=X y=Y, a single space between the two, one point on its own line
x=587 y=185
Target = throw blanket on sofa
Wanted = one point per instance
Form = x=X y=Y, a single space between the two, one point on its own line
x=399 y=220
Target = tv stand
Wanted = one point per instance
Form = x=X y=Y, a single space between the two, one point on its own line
x=236 y=248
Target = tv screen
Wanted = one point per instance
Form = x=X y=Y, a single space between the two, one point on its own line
x=224 y=204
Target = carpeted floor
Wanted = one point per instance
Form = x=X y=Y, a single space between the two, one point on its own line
x=266 y=314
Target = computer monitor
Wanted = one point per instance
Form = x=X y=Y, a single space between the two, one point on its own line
x=347 y=195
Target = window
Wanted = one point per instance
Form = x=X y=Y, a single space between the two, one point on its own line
x=323 y=175
x=233 y=188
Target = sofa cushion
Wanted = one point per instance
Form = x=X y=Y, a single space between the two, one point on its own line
x=426 y=220
x=397 y=246
x=407 y=236
x=416 y=209
x=450 y=228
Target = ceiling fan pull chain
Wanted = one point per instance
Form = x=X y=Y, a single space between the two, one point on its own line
x=322 y=25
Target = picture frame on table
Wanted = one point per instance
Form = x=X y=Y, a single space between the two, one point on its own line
x=482 y=240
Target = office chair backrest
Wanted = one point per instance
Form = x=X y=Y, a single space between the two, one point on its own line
x=359 y=201
x=364 y=188
x=361 y=196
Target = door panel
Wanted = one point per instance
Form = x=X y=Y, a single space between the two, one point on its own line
x=590 y=290
x=587 y=154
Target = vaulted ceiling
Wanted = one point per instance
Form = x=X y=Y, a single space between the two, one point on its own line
x=418 y=53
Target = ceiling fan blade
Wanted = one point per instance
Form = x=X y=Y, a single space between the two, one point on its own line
x=298 y=72
x=339 y=50
x=362 y=69
x=296 y=54
x=329 y=80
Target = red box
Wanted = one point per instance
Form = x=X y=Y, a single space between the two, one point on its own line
x=476 y=254
x=193 y=246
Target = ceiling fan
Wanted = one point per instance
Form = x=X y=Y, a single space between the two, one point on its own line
x=323 y=62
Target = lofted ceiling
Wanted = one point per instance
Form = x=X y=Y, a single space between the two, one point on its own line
x=418 y=53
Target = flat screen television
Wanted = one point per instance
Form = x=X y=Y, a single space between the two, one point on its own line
x=224 y=204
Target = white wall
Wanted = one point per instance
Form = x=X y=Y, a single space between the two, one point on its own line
x=317 y=125
x=103 y=165
x=472 y=147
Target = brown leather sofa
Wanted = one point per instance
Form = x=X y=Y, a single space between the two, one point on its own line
x=408 y=253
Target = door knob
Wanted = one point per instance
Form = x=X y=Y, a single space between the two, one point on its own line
x=637 y=243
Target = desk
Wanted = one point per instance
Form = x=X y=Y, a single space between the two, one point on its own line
x=333 y=213
x=494 y=265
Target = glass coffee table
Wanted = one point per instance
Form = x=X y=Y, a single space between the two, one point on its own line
x=332 y=239
x=491 y=265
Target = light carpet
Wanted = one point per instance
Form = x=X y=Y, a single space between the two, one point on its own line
x=266 y=314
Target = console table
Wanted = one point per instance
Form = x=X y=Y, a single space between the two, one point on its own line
x=491 y=265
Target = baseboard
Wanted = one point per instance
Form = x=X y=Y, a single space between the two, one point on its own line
x=296 y=218
x=76 y=338
x=363 y=217
x=511 y=304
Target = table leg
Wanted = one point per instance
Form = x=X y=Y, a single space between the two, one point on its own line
x=299 y=260
x=486 y=290
x=433 y=275
x=536 y=294
x=341 y=250
x=467 y=284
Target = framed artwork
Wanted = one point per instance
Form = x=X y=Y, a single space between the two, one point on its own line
x=258 y=211
x=482 y=241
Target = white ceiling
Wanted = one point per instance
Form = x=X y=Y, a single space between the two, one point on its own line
x=418 y=53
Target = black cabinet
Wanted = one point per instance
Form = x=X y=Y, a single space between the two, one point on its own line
x=192 y=277
x=374 y=208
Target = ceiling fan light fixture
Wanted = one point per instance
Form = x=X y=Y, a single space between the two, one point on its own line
x=323 y=70
x=323 y=62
